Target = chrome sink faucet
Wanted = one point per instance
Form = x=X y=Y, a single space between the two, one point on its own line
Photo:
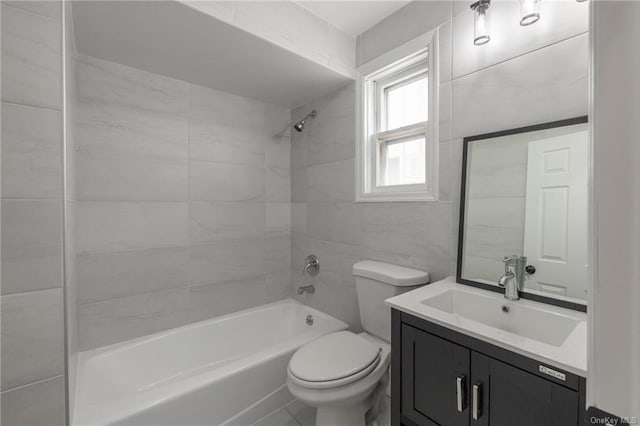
x=513 y=278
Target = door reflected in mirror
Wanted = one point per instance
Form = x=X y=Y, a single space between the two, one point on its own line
x=525 y=193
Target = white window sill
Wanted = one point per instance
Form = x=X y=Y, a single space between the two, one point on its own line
x=401 y=197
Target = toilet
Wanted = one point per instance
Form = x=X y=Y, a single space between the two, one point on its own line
x=344 y=374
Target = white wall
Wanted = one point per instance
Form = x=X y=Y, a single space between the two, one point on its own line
x=290 y=26
x=614 y=318
x=407 y=23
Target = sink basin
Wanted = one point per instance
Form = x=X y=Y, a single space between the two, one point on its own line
x=550 y=334
x=493 y=310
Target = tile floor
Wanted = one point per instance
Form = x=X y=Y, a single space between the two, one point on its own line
x=297 y=414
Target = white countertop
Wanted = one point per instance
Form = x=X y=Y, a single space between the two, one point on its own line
x=571 y=355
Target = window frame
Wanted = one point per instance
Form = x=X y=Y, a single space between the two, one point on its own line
x=374 y=78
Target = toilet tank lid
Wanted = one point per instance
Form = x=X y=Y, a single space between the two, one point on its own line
x=390 y=274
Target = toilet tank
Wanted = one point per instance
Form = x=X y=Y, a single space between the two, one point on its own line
x=377 y=281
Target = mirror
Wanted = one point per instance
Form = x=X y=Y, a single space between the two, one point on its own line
x=525 y=193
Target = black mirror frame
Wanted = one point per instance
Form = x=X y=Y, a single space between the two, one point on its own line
x=466 y=142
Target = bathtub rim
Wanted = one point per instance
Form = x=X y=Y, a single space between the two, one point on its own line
x=136 y=341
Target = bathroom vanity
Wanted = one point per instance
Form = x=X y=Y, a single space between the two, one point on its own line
x=504 y=342
x=466 y=356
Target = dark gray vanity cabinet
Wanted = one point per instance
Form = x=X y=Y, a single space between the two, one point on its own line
x=434 y=371
x=441 y=377
x=507 y=393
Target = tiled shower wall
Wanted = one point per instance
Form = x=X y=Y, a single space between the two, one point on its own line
x=328 y=223
x=32 y=385
x=183 y=203
x=523 y=76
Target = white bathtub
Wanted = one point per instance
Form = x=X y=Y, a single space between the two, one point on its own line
x=206 y=373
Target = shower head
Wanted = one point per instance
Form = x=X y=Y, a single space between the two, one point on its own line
x=300 y=124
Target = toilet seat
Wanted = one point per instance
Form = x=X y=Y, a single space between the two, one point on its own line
x=336 y=359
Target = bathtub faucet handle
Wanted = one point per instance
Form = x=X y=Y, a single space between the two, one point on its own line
x=311 y=265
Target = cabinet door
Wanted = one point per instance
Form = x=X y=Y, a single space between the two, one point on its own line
x=505 y=395
x=435 y=376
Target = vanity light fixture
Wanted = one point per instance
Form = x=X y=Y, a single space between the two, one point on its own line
x=529 y=12
x=480 y=22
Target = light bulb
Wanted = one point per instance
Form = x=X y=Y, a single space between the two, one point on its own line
x=481 y=22
x=529 y=12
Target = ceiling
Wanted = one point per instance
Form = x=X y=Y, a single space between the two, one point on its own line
x=353 y=17
x=175 y=40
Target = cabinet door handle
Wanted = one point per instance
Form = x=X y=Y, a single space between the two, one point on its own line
x=476 y=396
x=460 y=385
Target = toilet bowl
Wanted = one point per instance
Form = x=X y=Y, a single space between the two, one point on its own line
x=344 y=374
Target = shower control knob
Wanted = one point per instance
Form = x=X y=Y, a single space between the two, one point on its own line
x=530 y=269
x=311 y=265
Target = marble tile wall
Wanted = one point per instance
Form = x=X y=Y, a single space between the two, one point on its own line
x=327 y=222
x=32 y=337
x=183 y=203
x=536 y=76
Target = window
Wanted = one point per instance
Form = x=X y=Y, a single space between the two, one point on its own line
x=397 y=132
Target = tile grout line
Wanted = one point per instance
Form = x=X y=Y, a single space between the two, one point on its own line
x=31 y=12
x=283 y=408
x=265 y=173
x=188 y=283
x=31 y=199
x=31 y=291
x=37 y=382
x=40 y=107
x=98 y=252
x=292 y=415
x=68 y=259
x=550 y=44
x=146 y=293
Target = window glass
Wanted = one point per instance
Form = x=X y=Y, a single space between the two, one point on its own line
x=403 y=161
x=406 y=103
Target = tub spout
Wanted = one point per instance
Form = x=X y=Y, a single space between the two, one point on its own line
x=306 y=289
